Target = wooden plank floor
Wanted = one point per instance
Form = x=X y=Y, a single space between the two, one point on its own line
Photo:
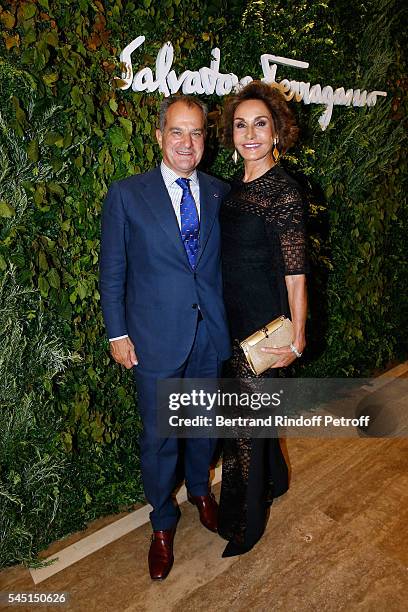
x=336 y=541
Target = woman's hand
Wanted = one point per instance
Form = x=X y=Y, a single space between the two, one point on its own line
x=287 y=356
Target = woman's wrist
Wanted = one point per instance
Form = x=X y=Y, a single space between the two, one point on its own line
x=299 y=342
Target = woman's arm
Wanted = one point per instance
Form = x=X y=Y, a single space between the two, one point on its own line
x=289 y=223
x=297 y=296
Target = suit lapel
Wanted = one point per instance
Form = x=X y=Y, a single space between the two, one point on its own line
x=158 y=199
x=209 y=202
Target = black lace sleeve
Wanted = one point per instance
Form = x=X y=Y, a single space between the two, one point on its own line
x=286 y=228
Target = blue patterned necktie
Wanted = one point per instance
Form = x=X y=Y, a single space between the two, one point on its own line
x=190 y=225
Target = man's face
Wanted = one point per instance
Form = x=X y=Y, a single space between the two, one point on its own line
x=182 y=140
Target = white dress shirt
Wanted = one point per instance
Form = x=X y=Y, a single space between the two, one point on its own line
x=175 y=192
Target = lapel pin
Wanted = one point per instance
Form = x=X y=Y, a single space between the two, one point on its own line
x=215 y=195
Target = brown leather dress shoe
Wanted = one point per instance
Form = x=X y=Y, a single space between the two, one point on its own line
x=161 y=556
x=207 y=508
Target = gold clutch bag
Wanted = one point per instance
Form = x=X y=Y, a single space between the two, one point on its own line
x=275 y=334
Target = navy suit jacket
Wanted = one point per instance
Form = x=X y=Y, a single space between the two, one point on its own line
x=148 y=289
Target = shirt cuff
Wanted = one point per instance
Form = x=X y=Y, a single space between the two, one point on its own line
x=118 y=338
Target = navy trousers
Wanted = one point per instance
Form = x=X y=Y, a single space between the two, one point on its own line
x=158 y=456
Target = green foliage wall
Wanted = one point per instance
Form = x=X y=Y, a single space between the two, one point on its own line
x=65 y=54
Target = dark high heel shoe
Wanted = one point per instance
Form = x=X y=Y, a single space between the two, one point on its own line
x=233 y=549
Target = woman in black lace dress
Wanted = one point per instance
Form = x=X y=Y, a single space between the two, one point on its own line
x=264 y=266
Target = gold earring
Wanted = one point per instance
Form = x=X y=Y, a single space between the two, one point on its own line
x=275 y=150
x=235 y=156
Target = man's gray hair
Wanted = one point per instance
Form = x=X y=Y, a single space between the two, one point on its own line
x=188 y=100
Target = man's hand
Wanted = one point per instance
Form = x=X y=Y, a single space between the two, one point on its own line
x=123 y=352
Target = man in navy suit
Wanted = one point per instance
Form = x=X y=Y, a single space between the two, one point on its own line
x=161 y=295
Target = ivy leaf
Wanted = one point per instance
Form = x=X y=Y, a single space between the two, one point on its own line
x=118 y=137
x=29 y=37
x=43 y=285
x=8 y=20
x=88 y=498
x=28 y=11
x=113 y=105
x=76 y=95
x=54 y=188
x=51 y=38
x=108 y=115
x=39 y=194
x=50 y=79
x=138 y=143
x=82 y=289
x=27 y=57
x=67 y=440
x=116 y=83
x=53 y=278
x=42 y=261
x=52 y=138
x=11 y=41
x=127 y=126
x=6 y=210
x=20 y=114
x=149 y=153
x=33 y=151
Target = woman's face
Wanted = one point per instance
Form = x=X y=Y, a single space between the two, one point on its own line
x=253 y=130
